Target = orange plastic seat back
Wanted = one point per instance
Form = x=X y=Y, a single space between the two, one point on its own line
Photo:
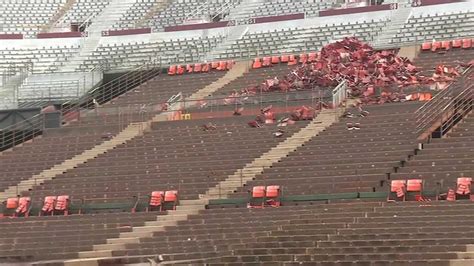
x=205 y=68
x=312 y=57
x=157 y=198
x=428 y=96
x=197 y=67
x=256 y=63
x=451 y=195
x=172 y=70
x=222 y=65
x=171 y=196
x=464 y=185
x=48 y=204
x=23 y=205
x=214 y=65
x=62 y=203
x=180 y=70
x=275 y=59
x=446 y=45
x=303 y=58
x=435 y=46
x=258 y=192
x=398 y=186
x=273 y=191
x=285 y=58
x=189 y=68
x=414 y=185
x=466 y=43
x=457 y=43
x=12 y=203
x=292 y=60
x=426 y=46
x=421 y=97
x=267 y=61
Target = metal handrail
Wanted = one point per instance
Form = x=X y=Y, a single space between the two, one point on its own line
x=431 y=111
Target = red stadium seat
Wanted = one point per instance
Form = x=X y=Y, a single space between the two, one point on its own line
x=189 y=68
x=214 y=65
x=457 y=43
x=415 y=189
x=397 y=189
x=62 y=204
x=446 y=45
x=222 y=66
x=256 y=63
x=303 y=58
x=285 y=58
x=451 y=195
x=435 y=46
x=267 y=61
x=275 y=59
x=273 y=194
x=257 y=200
x=463 y=188
x=426 y=46
x=180 y=70
x=312 y=57
x=24 y=206
x=205 y=67
x=292 y=60
x=466 y=43
x=171 y=197
x=197 y=68
x=156 y=200
x=48 y=205
x=12 y=203
x=172 y=70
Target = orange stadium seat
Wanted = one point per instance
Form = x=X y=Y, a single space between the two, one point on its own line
x=205 y=67
x=267 y=61
x=189 y=68
x=435 y=46
x=451 y=195
x=275 y=59
x=24 y=206
x=171 y=197
x=62 y=204
x=457 y=43
x=258 y=194
x=197 y=68
x=172 y=70
x=463 y=188
x=180 y=70
x=214 y=65
x=272 y=196
x=222 y=65
x=257 y=63
x=156 y=200
x=292 y=60
x=415 y=189
x=397 y=189
x=446 y=45
x=426 y=46
x=48 y=205
x=285 y=58
x=303 y=58
x=312 y=57
x=466 y=43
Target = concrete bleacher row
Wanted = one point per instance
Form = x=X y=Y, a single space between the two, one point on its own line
x=132 y=55
x=27 y=16
x=135 y=14
x=429 y=27
x=295 y=40
x=83 y=10
x=43 y=59
x=310 y=8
